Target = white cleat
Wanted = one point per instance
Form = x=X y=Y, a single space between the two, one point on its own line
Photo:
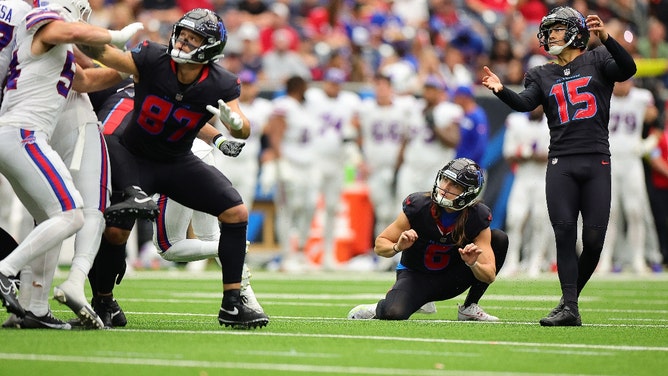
x=363 y=312
x=473 y=313
x=65 y=294
x=427 y=309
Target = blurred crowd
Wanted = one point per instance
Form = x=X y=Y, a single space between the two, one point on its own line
x=406 y=39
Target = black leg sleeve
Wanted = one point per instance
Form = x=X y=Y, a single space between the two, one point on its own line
x=232 y=250
x=108 y=268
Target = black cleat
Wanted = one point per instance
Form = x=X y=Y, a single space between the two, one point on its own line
x=136 y=205
x=48 y=321
x=109 y=311
x=556 y=309
x=565 y=317
x=242 y=317
x=13 y=321
x=8 y=296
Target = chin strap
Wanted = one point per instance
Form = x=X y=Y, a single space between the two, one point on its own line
x=180 y=57
x=556 y=50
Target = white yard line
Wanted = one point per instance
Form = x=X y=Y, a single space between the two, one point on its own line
x=408 y=339
x=304 y=368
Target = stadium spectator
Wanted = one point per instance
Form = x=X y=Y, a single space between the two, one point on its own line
x=474 y=127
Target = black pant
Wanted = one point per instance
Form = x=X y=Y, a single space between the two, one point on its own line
x=414 y=289
x=578 y=184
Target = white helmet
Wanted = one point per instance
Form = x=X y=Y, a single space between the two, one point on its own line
x=75 y=10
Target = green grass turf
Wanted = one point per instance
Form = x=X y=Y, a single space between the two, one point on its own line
x=173 y=330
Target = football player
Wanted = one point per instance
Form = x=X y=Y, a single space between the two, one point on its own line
x=177 y=89
x=446 y=247
x=575 y=92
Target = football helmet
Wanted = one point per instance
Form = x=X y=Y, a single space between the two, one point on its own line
x=577 y=33
x=464 y=172
x=206 y=24
x=75 y=10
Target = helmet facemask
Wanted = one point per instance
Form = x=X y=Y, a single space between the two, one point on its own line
x=466 y=174
x=576 y=35
x=209 y=26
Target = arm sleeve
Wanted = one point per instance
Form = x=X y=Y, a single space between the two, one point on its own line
x=526 y=100
x=622 y=66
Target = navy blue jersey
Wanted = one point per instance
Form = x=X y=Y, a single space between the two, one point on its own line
x=435 y=250
x=168 y=114
x=575 y=98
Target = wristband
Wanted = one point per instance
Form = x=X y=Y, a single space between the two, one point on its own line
x=218 y=140
x=395 y=249
x=472 y=265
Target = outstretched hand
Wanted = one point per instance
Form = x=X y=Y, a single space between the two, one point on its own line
x=491 y=80
x=226 y=115
x=120 y=38
x=231 y=148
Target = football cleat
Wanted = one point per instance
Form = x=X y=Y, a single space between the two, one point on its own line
x=555 y=311
x=8 y=296
x=48 y=321
x=13 y=321
x=473 y=313
x=565 y=317
x=363 y=312
x=65 y=295
x=428 y=308
x=136 y=204
x=247 y=294
x=109 y=311
x=241 y=316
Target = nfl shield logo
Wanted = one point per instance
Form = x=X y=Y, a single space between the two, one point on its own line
x=567 y=71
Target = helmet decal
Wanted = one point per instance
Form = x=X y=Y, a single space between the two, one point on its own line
x=577 y=33
x=210 y=27
x=464 y=172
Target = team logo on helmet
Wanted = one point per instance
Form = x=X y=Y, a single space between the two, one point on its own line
x=577 y=33
x=464 y=172
x=206 y=24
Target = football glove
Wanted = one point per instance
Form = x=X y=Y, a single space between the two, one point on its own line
x=226 y=115
x=120 y=37
x=268 y=176
x=230 y=148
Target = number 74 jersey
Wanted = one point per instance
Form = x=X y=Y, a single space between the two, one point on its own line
x=576 y=100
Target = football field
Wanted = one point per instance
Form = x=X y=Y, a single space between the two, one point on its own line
x=173 y=330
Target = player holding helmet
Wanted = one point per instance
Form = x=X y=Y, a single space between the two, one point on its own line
x=575 y=92
x=446 y=247
x=177 y=88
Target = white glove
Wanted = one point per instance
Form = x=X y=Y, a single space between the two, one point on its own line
x=120 y=37
x=648 y=144
x=268 y=177
x=226 y=115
